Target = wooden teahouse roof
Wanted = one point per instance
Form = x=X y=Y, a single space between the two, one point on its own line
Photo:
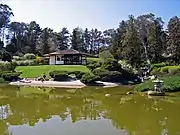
x=68 y=51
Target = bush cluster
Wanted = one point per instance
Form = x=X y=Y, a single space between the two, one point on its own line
x=170 y=84
x=108 y=76
x=24 y=63
x=166 y=70
x=89 y=78
x=91 y=65
x=111 y=65
x=10 y=76
x=59 y=75
x=29 y=56
x=6 y=66
x=78 y=74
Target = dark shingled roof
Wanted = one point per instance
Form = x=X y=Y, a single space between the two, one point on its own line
x=68 y=51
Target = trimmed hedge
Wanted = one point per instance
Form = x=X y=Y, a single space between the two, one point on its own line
x=78 y=74
x=166 y=70
x=11 y=76
x=29 y=56
x=89 y=78
x=6 y=66
x=171 y=84
x=91 y=65
x=108 y=76
x=111 y=65
x=59 y=75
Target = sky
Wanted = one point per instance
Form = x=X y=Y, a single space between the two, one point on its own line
x=100 y=14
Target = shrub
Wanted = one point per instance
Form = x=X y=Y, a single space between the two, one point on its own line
x=17 y=58
x=105 y=55
x=40 y=60
x=111 y=65
x=24 y=63
x=93 y=65
x=112 y=76
x=29 y=56
x=170 y=70
x=108 y=76
x=127 y=67
x=158 y=65
x=6 y=66
x=171 y=83
x=11 y=76
x=59 y=75
x=89 y=78
x=78 y=74
x=100 y=72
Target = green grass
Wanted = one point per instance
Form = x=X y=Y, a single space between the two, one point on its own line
x=93 y=59
x=36 y=71
x=170 y=84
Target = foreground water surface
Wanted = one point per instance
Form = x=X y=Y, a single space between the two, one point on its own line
x=87 y=111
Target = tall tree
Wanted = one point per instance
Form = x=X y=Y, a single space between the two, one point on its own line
x=132 y=47
x=17 y=35
x=117 y=40
x=87 y=40
x=155 y=42
x=63 y=39
x=45 y=40
x=174 y=38
x=77 y=41
x=96 y=41
x=34 y=32
x=5 y=17
x=108 y=36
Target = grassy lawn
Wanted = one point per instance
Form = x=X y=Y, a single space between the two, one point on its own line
x=93 y=59
x=36 y=71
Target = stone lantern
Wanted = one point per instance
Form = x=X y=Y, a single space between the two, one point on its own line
x=158 y=85
x=158 y=91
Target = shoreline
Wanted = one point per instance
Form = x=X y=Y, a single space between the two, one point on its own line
x=65 y=84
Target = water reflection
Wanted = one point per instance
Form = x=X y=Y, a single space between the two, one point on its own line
x=85 y=111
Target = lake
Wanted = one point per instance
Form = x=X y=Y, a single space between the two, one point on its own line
x=87 y=111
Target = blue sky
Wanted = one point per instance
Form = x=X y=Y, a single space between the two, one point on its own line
x=101 y=14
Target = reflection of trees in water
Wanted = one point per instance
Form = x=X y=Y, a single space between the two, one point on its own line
x=133 y=113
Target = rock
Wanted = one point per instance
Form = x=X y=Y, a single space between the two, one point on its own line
x=107 y=95
x=129 y=92
x=156 y=93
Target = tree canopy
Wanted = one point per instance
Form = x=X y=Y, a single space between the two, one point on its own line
x=137 y=40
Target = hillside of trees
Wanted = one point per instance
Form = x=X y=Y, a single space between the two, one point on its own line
x=138 y=40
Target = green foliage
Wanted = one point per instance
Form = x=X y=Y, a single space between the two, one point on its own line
x=36 y=71
x=24 y=63
x=2 y=80
x=78 y=74
x=108 y=76
x=105 y=55
x=17 y=58
x=29 y=56
x=91 y=65
x=89 y=78
x=59 y=75
x=99 y=72
x=158 y=65
x=166 y=70
x=171 y=83
x=40 y=60
x=111 y=65
x=6 y=66
x=11 y=76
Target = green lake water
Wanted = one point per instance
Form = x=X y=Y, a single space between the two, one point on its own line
x=87 y=111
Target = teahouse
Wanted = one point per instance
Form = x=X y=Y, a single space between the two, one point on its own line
x=67 y=57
